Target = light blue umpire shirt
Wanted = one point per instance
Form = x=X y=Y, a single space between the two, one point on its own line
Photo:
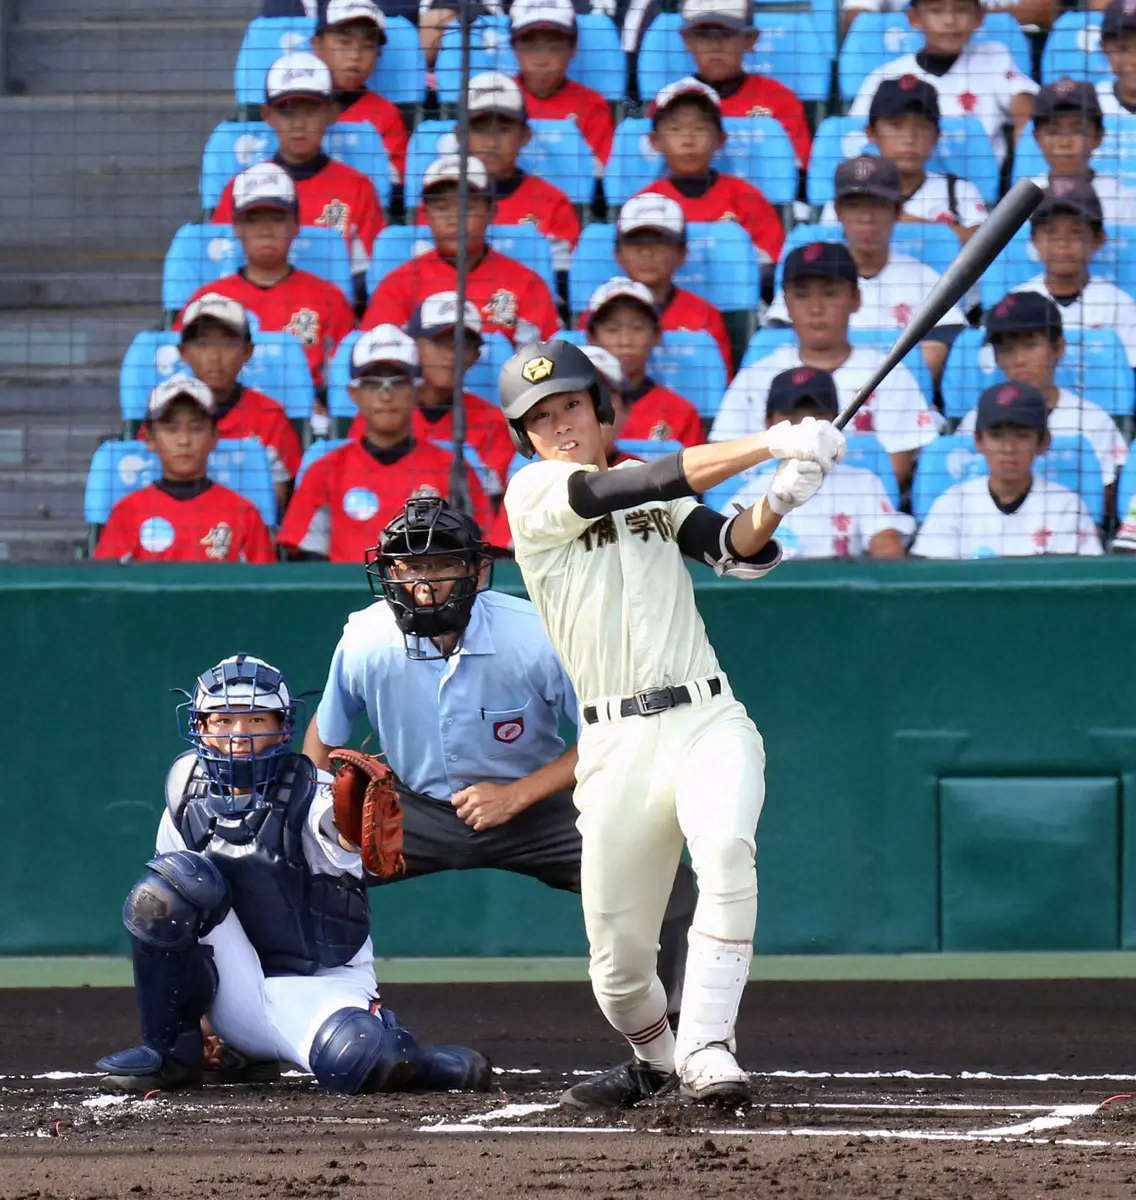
x=488 y=713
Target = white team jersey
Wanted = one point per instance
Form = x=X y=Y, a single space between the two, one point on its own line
x=1118 y=203
x=901 y=5
x=838 y=522
x=1114 y=112
x=932 y=202
x=980 y=84
x=887 y=300
x=1076 y=415
x=964 y=522
x=1101 y=305
x=614 y=593
x=896 y=411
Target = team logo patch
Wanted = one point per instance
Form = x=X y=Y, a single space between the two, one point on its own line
x=360 y=504
x=218 y=541
x=538 y=369
x=304 y=326
x=501 y=309
x=508 y=731
x=156 y=534
x=334 y=216
x=1006 y=395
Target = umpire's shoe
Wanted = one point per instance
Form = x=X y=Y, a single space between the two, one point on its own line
x=621 y=1087
x=711 y=1075
x=141 y=1069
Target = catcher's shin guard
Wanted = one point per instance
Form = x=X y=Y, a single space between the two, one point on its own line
x=357 y=1051
x=452 y=1069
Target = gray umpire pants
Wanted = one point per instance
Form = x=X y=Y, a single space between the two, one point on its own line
x=541 y=842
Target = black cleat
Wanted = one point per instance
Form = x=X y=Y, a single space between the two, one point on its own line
x=621 y=1087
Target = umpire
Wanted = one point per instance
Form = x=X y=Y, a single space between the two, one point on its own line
x=465 y=693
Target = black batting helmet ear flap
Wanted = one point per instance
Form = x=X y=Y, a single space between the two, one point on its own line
x=545 y=369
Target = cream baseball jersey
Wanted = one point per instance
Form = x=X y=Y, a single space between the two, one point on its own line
x=1100 y=305
x=613 y=592
x=964 y=522
x=931 y=201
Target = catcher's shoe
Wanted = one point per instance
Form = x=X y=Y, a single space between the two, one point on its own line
x=234 y=1067
x=141 y=1069
x=452 y=1069
x=712 y=1076
x=621 y=1087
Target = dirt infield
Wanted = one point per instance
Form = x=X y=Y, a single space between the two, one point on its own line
x=906 y=1090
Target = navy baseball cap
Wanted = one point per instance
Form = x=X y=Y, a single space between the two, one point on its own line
x=822 y=260
x=1067 y=196
x=868 y=175
x=1119 y=17
x=907 y=94
x=802 y=388
x=1023 y=312
x=1076 y=97
x=1012 y=404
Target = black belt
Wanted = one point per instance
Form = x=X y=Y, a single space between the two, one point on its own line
x=653 y=701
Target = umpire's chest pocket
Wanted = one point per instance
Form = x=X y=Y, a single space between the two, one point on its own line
x=504 y=730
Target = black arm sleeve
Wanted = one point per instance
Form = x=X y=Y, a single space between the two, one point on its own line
x=595 y=493
x=705 y=537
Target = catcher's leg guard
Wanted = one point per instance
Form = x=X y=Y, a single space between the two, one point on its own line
x=452 y=1069
x=356 y=1051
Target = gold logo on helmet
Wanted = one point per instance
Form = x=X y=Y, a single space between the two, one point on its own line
x=537 y=369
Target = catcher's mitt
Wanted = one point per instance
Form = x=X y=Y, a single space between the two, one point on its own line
x=367 y=810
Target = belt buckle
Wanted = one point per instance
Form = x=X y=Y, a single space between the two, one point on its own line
x=650 y=704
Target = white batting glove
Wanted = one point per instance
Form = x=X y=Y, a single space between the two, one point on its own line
x=794 y=483
x=811 y=441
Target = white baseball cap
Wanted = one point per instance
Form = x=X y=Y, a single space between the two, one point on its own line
x=177 y=385
x=264 y=185
x=447 y=169
x=295 y=75
x=527 y=15
x=726 y=14
x=608 y=366
x=219 y=308
x=616 y=289
x=439 y=312
x=342 y=12
x=492 y=92
x=652 y=211
x=383 y=344
x=685 y=87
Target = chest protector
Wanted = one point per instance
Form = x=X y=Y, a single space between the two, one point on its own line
x=297 y=920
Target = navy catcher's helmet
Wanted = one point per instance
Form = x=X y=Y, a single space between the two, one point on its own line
x=547 y=369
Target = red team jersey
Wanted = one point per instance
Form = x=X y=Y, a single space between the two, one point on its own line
x=536 y=202
x=336 y=197
x=505 y=292
x=216 y=526
x=760 y=96
x=348 y=495
x=485 y=430
x=378 y=111
x=660 y=415
x=311 y=309
x=731 y=199
x=256 y=415
x=581 y=104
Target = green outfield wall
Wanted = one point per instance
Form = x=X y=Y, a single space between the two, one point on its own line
x=951 y=751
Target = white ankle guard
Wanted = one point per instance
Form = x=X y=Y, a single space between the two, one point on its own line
x=716 y=975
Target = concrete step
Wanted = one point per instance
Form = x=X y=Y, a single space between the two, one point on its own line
x=47 y=542
x=60 y=402
x=138 y=10
x=77 y=338
x=22 y=288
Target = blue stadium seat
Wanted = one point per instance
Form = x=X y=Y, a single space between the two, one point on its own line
x=489 y=51
x=557 y=153
x=397 y=244
x=1115 y=262
x=721 y=265
x=400 y=75
x=647 y=450
x=935 y=245
x=1072 y=49
x=278 y=368
x=321 y=251
x=1126 y=483
x=315 y=452
x=633 y=165
x=1028 y=159
x=515 y=464
x=195 y=258
x=358 y=144
x=1071 y=462
x=119 y=468
x=1095 y=366
x=793 y=48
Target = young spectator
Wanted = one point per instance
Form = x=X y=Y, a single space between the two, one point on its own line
x=851 y=516
x=973 y=79
x=1117 y=96
x=185 y=516
x=510 y=298
x=650 y=246
x=1028 y=12
x=1011 y=511
x=1025 y=331
x=1067 y=229
x=498 y=132
x=264 y=216
x=544 y=41
x=686 y=129
x=345 y=498
x=903 y=125
x=216 y=343
x=822 y=296
x=299 y=108
x=621 y=318
x=719 y=34
x=432 y=328
x=1068 y=126
x=349 y=39
x=892 y=286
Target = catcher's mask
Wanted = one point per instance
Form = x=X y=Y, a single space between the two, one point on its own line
x=400 y=571
x=241 y=770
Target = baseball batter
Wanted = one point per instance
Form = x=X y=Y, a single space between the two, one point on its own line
x=666 y=753
x=253 y=914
